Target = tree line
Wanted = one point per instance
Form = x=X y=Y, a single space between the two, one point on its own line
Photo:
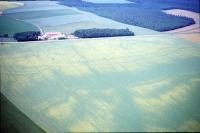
x=27 y=36
x=95 y=33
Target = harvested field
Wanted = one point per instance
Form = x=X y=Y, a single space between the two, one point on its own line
x=7 y=5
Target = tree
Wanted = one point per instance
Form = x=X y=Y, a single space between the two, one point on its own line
x=27 y=36
x=95 y=33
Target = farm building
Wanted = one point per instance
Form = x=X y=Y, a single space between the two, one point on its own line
x=70 y=36
x=52 y=36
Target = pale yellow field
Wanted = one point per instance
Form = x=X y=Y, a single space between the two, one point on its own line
x=147 y=83
x=191 y=37
x=6 y=5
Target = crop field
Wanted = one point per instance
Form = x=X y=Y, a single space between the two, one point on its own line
x=51 y=16
x=195 y=28
x=143 y=13
x=41 y=14
x=87 y=21
x=142 y=83
x=31 y=5
x=6 y=5
x=13 y=120
x=10 y=26
x=108 y=1
x=58 y=20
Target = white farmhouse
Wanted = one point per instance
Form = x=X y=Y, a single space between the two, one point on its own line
x=52 y=36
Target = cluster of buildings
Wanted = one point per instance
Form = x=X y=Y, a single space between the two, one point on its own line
x=56 y=36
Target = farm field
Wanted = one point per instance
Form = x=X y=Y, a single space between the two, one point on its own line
x=12 y=120
x=108 y=1
x=41 y=14
x=142 y=83
x=52 y=16
x=6 y=5
x=147 y=82
x=11 y=26
x=195 y=28
x=193 y=37
x=138 y=12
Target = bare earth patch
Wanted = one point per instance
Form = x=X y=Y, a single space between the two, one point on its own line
x=195 y=28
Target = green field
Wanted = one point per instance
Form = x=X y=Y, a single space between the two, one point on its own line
x=41 y=14
x=144 y=83
x=51 y=16
x=11 y=26
x=14 y=121
x=88 y=21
